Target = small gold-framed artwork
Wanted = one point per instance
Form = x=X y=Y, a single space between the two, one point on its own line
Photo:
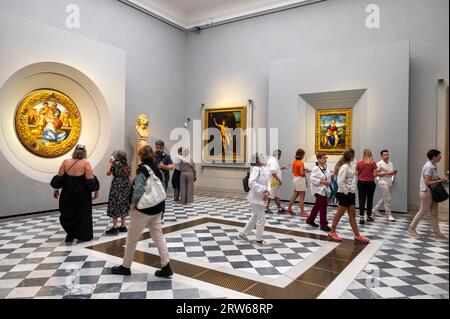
x=225 y=141
x=48 y=123
x=333 y=130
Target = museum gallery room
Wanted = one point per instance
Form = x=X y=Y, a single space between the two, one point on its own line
x=224 y=149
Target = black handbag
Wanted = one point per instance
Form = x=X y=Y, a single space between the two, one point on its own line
x=245 y=183
x=93 y=185
x=57 y=182
x=439 y=193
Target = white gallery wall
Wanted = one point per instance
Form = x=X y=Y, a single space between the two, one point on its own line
x=379 y=121
x=169 y=73
x=94 y=79
x=152 y=76
x=229 y=64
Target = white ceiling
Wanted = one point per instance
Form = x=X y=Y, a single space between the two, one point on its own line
x=188 y=14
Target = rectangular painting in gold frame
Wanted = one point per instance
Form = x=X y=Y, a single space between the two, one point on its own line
x=233 y=146
x=333 y=130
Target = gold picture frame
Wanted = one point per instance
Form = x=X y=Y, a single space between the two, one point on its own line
x=48 y=123
x=230 y=124
x=333 y=130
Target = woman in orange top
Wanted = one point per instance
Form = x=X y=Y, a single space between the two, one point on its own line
x=300 y=183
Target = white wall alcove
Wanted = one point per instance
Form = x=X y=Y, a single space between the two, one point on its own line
x=86 y=95
x=91 y=73
x=373 y=81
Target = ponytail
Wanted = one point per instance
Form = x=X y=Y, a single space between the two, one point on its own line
x=347 y=157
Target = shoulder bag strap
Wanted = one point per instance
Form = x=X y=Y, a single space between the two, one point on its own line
x=67 y=171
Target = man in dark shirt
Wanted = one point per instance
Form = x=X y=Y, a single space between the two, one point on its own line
x=164 y=162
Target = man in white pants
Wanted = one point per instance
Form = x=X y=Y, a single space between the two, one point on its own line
x=385 y=173
x=275 y=179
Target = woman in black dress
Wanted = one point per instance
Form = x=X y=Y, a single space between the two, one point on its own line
x=119 y=193
x=77 y=180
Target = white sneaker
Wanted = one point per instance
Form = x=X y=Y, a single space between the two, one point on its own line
x=243 y=237
x=390 y=218
x=375 y=213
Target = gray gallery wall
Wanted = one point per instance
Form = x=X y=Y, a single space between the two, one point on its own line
x=170 y=73
x=155 y=68
x=383 y=72
x=229 y=64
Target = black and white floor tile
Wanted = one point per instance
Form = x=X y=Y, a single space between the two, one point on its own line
x=217 y=246
x=36 y=263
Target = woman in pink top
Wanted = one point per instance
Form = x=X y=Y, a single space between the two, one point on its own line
x=366 y=169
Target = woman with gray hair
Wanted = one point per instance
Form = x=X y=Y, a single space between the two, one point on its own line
x=119 y=193
x=77 y=181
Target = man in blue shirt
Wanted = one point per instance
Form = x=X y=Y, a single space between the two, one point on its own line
x=164 y=162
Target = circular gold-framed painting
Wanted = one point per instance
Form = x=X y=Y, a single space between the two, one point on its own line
x=48 y=123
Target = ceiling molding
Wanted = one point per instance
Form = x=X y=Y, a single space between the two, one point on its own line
x=180 y=21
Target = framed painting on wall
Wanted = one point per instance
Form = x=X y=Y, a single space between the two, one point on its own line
x=224 y=139
x=48 y=123
x=333 y=130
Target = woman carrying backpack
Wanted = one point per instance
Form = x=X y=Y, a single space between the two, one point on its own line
x=142 y=217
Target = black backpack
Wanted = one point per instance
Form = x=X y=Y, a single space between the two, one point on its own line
x=245 y=183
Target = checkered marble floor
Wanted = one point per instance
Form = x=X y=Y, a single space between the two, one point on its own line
x=218 y=246
x=36 y=263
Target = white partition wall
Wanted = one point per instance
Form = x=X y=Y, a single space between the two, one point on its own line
x=93 y=76
x=380 y=115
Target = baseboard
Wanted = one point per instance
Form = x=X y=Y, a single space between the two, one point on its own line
x=44 y=212
x=334 y=205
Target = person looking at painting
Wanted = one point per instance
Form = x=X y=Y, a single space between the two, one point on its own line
x=77 y=180
x=385 y=174
x=275 y=181
x=188 y=176
x=346 y=196
x=366 y=170
x=429 y=177
x=320 y=189
x=119 y=193
x=224 y=131
x=300 y=184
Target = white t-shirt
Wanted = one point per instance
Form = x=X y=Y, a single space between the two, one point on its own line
x=428 y=170
x=384 y=167
x=274 y=166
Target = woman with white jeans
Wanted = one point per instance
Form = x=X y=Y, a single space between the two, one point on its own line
x=257 y=197
x=428 y=178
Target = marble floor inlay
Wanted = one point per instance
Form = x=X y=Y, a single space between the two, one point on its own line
x=210 y=262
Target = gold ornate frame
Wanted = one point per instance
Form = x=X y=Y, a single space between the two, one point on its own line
x=348 y=130
x=24 y=130
x=223 y=159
